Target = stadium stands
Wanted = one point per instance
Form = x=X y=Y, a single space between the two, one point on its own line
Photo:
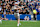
x=7 y=8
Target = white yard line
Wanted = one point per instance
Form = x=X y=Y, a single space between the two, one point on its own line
x=28 y=21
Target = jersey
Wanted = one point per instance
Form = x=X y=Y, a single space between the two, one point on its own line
x=26 y=17
x=16 y=12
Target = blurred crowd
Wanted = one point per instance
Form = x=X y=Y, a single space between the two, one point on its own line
x=7 y=6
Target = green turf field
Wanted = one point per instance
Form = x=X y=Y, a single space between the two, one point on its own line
x=23 y=24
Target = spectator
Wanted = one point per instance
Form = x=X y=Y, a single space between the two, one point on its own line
x=7 y=6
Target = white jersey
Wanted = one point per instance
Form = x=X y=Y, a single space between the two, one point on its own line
x=39 y=9
x=16 y=13
x=26 y=17
x=0 y=8
x=14 y=8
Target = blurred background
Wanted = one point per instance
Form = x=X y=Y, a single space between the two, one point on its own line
x=31 y=10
